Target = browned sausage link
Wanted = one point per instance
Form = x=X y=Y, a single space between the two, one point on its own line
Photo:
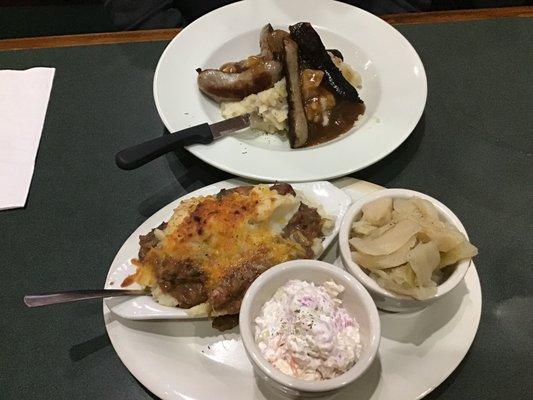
x=275 y=42
x=298 y=130
x=265 y=55
x=242 y=65
x=223 y=86
x=271 y=42
x=264 y=36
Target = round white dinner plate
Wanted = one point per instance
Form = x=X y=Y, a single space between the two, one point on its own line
x=334 y=201
x=394 y=87
x=188 y=359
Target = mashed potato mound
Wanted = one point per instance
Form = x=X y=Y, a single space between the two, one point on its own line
x=269 y=110
x=350 y=74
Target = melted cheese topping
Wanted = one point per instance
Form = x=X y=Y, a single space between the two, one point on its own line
x=226 y=231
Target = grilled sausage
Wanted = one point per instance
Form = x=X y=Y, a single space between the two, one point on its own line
x=225 y=86
x=235 y=80
x=266 y=51
x=275 y=43
x=298 y=130
x=265 y=55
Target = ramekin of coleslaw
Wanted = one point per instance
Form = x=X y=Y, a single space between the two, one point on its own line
x=309 y=328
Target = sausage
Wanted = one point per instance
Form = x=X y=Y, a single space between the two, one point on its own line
x=271 y=44
x=275 y=43
x=265 y=55
x=266 y=51
x=226 y=86
x=298 y=129
x=242 y=65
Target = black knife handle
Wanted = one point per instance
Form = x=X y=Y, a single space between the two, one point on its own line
x=135 y=156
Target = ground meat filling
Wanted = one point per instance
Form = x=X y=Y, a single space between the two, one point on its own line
x=283 y=189
x=146 y=242
x=182 y=280
x=304 y=226
x=244 y=190
x=225 y=322
x=228 y=295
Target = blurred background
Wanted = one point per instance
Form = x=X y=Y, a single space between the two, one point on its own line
x=28 y=18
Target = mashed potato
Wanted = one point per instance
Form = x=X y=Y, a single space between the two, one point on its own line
x=269 y=110
x=350 y=74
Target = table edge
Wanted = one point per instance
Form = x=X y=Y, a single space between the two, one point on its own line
x=167 y=34
x=436 y=17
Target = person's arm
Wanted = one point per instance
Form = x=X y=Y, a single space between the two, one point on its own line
x=143 y=14
x=391 y=6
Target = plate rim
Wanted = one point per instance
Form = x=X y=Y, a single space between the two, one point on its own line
x=471 y=269
x=298 y=176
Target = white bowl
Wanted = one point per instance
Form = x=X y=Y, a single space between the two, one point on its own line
x=385 y=299
x=355 y=299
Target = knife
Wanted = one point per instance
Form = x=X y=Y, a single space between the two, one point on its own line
x=135 y=156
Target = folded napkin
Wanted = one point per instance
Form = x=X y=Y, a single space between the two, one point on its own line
x=23 y=101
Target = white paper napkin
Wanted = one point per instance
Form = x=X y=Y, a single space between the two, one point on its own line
x=24 y=98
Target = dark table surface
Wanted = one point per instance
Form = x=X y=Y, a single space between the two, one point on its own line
x=472 y=150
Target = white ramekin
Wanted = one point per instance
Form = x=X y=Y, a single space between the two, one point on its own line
x=355 y=299
x=385 y=299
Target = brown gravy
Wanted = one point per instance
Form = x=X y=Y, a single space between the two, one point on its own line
x=341 y=120
x=128 y=281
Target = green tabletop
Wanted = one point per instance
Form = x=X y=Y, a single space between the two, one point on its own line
x=471 y=150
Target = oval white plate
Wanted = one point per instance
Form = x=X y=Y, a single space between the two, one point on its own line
x=189 y=360
x=394 y=87
x=334 y=201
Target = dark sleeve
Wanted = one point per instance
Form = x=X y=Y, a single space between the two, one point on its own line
x=143 y=14
x=193 y=9
x=391 y=6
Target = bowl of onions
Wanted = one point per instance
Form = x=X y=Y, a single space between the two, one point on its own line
x=407 y=248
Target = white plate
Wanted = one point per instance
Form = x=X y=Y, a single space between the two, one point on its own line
x=189 y=360
x=334 y=201
x=394 y=87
